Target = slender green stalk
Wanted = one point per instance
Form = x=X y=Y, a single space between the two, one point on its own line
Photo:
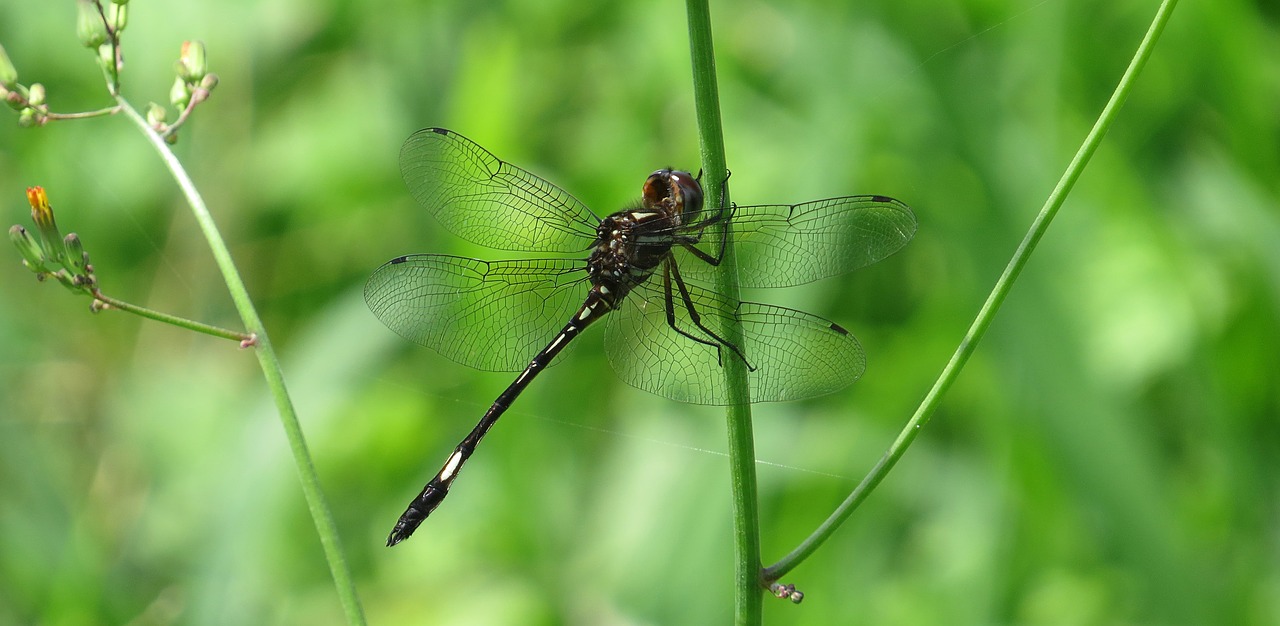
x=83 y=114
x=989 y=308
x=742 y=468
x=180 y=322
x=270 y=364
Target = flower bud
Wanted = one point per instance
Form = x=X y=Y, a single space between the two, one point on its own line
x=89 y=27
x=107 y=56
x=118 y=15
x=42 y=215
x=179 y=93
x=8 y=73
x=32 y=254
x=201 y=92
x=156 y=115
x=191 y=63
x=111 y=63
x=27 y=118
x=15 y=99
x=77 y=258
x=36 y=95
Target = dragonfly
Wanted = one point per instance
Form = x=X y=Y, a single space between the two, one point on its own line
x=647 y=268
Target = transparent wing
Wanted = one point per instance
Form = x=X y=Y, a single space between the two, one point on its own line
x=488 y=315
x=795 y=355
x=780 y=245
x=483 y=199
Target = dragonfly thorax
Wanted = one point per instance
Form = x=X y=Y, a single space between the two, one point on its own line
x=631 y=244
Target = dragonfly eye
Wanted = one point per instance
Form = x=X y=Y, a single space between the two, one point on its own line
x=673 y=189
x=657 y=188
x=689 y=189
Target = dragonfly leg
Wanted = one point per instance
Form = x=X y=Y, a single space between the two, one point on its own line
x=669 y=305
x=714 y=260
x=688 y=242
x=724 y=184
x=670 y=272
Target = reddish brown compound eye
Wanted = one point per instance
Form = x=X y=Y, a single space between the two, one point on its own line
x=690 y=192
x=678 y=188
x=656 y=188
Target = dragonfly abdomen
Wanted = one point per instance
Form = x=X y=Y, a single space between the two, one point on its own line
x=595 y=306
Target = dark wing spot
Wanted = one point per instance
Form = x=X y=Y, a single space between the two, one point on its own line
x=439 y=131
x=836 y=327
x=398 y=260
x=883 y=199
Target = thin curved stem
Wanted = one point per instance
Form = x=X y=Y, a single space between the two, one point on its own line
x=989 y=308
x=748 y=590
x=83 y=114
x=270 y=364
x=180 y=322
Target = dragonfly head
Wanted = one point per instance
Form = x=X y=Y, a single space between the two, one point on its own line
x=673 y=190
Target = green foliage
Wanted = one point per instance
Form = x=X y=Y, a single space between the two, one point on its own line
x=1107 y=456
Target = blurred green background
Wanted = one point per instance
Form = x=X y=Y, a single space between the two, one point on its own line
x=1109 y=455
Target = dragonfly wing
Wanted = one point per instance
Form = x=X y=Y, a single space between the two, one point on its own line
x=795 y=355
x=492 y=315
x=483 y=199
x=779 y=245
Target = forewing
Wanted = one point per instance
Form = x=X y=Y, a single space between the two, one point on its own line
x=780 y=245
x=795 y=355
x=483 y=199
x=488 y=315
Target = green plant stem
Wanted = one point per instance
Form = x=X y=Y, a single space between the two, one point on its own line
x=989 y=308
x=171 y=319
x=83 y=115
x=742 y=468
x=111 y=72
x=270 y=364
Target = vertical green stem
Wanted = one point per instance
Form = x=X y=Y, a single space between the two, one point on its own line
x=746 y=515
x=989 y=308
x=270 y=364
